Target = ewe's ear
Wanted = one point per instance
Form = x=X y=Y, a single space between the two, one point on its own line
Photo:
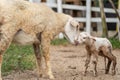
x=94 y=39
x=74 y=23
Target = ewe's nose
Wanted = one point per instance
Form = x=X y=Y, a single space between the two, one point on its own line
x=76 y=42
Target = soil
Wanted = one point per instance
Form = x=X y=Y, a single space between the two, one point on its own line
x=68 y=64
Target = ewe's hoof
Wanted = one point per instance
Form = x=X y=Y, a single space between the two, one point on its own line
x=52 y=77
x=41 y=75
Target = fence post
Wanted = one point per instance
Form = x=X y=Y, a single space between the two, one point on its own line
x=118 y=30
x=118 y=27
x=36 y=1
x=59 y=6
x=59 y=10
x=88 y=16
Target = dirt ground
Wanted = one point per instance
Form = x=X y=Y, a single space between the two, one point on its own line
x=68 y=64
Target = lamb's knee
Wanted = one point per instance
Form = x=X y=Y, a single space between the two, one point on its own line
x=114 y=65
x=114 y=60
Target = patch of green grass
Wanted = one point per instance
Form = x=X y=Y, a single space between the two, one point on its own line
x=22 y=57
x=59 y=42
x=18 y=58
x=115 y=43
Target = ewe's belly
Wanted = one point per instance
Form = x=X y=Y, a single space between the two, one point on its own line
x=22 y=38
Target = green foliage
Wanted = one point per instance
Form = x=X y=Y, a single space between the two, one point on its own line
x=18 y=58
x=115 y=43
x=59 y=42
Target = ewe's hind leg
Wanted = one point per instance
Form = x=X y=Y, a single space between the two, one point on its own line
x=38 y=56
x=87 y=62
x=7 y=32
x=45 y=45
x=0 y=64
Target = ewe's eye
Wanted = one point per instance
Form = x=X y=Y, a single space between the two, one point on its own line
x=81 y=29
x=77 y=28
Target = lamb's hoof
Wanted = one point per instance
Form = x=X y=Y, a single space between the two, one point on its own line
x=84 y=74
x=113 y=73
x=106 y=71
x=95 y=75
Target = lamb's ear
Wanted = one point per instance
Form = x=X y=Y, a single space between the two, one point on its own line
x=93 y=39
x=86 y=37
x=74 y=23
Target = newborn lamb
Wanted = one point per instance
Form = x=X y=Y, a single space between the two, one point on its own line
x=97 y=46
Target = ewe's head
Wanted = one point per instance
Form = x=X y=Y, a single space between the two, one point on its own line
x=81 y=38
x=71 y=29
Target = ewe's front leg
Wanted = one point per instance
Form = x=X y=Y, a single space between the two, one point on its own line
x=38 y=56
x=7 y=32
x=45 y=45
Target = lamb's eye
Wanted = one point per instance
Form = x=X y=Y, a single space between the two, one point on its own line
x=83 y=37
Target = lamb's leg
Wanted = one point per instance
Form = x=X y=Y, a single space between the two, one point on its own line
x=107 y=52
x=111 y=58
x=105 y=63
x=45 y=44
x=108 y=66
x=114 y=65
x=87 y=62
x=38 y=56
x=95 y=60
x=7 y=32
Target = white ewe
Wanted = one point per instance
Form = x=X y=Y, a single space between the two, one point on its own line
x=26 y=23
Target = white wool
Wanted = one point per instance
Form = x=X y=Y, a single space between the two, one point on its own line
x=70 y=31
x=101 y=42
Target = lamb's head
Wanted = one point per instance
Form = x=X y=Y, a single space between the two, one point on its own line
x=71 y=29
x=82 y=37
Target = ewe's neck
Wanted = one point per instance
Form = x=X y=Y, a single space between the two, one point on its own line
x=62 y=20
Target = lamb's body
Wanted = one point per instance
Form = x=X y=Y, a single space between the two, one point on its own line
x=97 y=46
x=29 y=23
x=101 y=42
